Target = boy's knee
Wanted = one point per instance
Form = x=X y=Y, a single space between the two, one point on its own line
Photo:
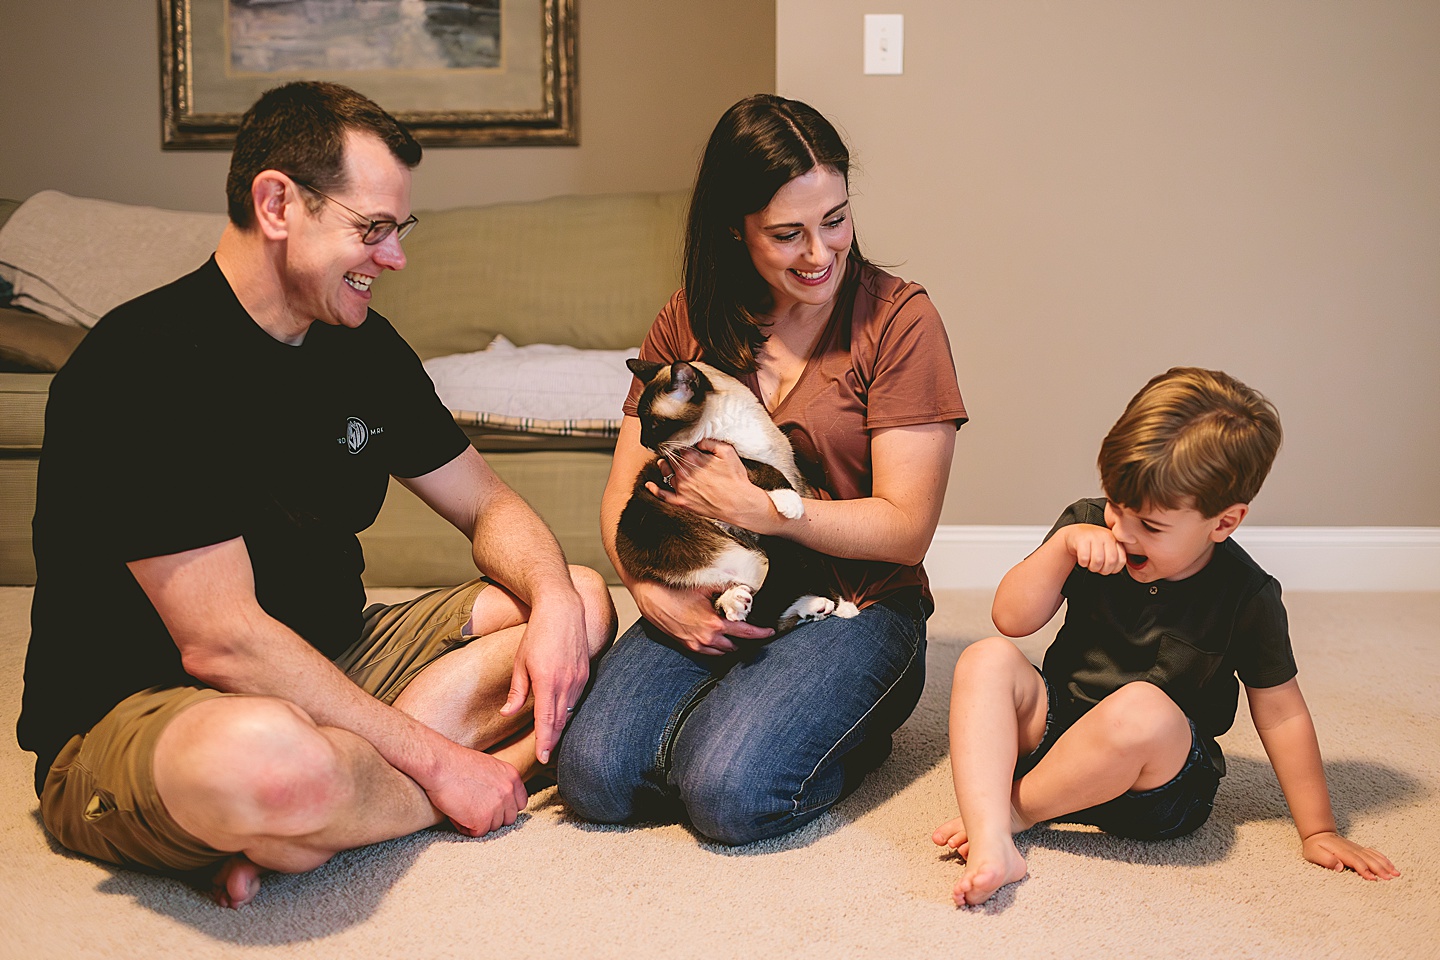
x=1140 y=712
x=1144 y=697
x=991 y=654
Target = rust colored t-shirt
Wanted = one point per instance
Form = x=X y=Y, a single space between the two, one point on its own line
x=883 y=360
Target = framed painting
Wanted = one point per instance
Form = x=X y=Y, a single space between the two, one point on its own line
x=455 y=72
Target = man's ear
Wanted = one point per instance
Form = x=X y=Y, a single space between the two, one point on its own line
x=1227 y=520
x=271 y=193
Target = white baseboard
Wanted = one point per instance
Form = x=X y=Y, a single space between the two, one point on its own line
x=1301 y=558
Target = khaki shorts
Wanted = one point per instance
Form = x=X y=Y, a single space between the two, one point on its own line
x=99 y=797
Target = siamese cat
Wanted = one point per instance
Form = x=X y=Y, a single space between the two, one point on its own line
x=681 y=404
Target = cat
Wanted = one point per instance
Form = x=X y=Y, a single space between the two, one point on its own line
x=681 y=404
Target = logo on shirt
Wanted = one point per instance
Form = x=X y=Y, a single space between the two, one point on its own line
x=357 y=434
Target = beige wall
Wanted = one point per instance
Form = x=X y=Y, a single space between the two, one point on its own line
x=1094 y=191
x=80 y=84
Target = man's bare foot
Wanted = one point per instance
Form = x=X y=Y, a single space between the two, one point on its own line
x=519 y=752
x=984 y=874
x=236 y=882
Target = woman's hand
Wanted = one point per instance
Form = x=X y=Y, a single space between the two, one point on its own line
x=710 y=480
x=690 y=617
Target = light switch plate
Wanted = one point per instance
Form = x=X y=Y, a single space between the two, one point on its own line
x=884 y=43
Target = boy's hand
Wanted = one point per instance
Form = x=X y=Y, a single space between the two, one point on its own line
x=1094 y=548
x=1334 y=852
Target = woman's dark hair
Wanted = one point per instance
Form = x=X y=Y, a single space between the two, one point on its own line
x=299 y=129
x=760 y=144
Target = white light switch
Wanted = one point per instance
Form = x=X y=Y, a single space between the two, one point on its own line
x=884 y=43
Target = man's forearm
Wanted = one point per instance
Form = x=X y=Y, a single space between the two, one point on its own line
x=273 y=660
x=514 y=547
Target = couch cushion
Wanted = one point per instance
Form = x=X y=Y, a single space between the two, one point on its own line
x=33 y=342
x=22 y=411
x=589 y=271
x=73 y=259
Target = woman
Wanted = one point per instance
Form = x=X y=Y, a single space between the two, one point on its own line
x=691 y=714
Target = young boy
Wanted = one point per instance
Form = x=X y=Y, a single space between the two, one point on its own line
x=1164 y=611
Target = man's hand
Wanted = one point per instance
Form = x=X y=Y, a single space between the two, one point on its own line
x=552 y=662
x=513 y=546
x=690 y=617
x=1094 y=548
x=476 y=792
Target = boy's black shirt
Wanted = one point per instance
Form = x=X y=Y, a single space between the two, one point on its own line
x=1189 y=637
x=180 y=423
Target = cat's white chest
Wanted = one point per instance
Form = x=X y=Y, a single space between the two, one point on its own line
x=733 y=419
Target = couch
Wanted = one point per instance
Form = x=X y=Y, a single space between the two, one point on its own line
x=586 y=272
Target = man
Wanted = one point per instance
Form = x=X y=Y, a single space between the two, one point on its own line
x=202 y=686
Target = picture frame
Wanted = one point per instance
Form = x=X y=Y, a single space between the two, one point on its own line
x=525 y=95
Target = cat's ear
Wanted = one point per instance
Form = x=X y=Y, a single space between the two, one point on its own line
x=644 y=369
x=684 y=381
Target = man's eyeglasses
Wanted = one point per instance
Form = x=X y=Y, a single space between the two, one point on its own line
x=374 y=231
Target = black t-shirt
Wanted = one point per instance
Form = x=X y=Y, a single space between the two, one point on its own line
x=179 y=423
x=1189 y=637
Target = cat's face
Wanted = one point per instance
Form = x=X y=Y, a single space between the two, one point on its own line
x=673 y=398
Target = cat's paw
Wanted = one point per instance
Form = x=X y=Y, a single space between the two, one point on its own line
x=788 y=503
x=809 y=608
x=735 y=602
x=845 y=610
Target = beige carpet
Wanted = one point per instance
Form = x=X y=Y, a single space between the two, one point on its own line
x=863 y=881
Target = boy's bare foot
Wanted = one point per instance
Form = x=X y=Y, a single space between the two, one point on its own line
x=952 y=834
x=984 y=874
x=236 y=882
x=987 y=870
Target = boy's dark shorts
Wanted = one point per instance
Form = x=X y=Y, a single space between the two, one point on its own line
x=1170 y=810
x=99 y=797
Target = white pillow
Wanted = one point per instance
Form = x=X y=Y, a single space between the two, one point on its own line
x=540 y=381
x=74 y=259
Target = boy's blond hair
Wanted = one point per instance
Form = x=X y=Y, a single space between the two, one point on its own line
x=1190 y=438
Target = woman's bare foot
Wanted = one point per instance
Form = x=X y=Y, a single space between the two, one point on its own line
x=236 y=882
x=988 y=871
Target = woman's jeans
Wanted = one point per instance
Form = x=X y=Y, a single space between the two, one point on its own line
x=749 y=745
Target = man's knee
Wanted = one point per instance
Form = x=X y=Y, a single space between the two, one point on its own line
x=600 y=617
x=247 y=766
